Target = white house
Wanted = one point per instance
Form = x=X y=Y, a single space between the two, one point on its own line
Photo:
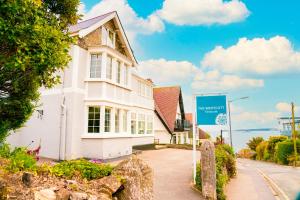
x=102 y=107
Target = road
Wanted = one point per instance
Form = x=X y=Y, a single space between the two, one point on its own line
x=172 y=173
x=255 y=186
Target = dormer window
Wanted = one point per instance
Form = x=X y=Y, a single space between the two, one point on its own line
x=111 y=38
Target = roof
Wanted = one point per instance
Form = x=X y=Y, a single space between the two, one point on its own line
x=189 y=117
x=85 y=27
x=202 y=134
x=166 y=100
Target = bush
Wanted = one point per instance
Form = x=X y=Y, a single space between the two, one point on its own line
x=198 y=176
x=260 y=150
x=246 y=153
x=284 y=150
x=19 y=160
x=4 y=150
x=254 y=142
x=273 y=140
x=83 y=168
x=225 y=168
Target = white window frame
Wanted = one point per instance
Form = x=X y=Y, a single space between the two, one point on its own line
x=125 y=120
x=125 y=74
x=133 y=123
x=94 y=119
x=141 y=124
x=149 y=124
x=109 y=67
x=117 y=120
x=109 y=119
x=118 y=72
x=96 y=70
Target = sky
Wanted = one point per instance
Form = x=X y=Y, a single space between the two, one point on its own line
x=238 y=48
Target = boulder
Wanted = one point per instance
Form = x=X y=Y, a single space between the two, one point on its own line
x=46 y=194
x=139 y=179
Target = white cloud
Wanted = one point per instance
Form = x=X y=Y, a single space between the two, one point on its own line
x=133 y=24
x=259 y=55
x=203 y=12
x=166 y=72
x=163 y=71
x=286 y=109
x=214 y=80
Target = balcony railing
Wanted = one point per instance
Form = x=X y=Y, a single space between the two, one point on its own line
x=182 y=125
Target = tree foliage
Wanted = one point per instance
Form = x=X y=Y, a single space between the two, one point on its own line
x=34 y=47
x=254 y=142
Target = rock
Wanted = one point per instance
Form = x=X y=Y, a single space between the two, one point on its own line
x=93 y=197
x=139 y=179
x=27 y=178
x=79 y=196
x=46 y=194
x=63 y=194
x=208 y=170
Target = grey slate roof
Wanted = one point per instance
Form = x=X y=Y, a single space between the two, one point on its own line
x=87 y=23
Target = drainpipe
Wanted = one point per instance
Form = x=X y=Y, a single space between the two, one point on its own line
x=63 y=125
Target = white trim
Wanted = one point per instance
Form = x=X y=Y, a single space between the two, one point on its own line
x=60 y=91
x=75 y=65
x=113 y=135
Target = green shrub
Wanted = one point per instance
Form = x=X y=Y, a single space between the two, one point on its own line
x=273 y=140
x=83 y=168
x=284 y=150
x=19 y=160
x=254 y=142
x=225 y=168
x=4 y=150
x=260 y=150
x=198 y=176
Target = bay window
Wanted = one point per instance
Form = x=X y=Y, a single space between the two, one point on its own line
x=125 y=74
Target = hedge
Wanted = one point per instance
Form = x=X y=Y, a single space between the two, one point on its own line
x=284 y=150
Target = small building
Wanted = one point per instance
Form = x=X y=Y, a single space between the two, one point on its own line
x=285 y=125
x=170 y=124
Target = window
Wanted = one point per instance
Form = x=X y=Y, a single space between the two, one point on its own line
x=117 y=116
x=125 y=74
x=133 y=123
x=94 y=119
x=125 y=121
x=109 y=67
x=110 y=38
x=141 y=124
x=107 y=119
x=149 y=124
x=95 y=68
x=118 y=72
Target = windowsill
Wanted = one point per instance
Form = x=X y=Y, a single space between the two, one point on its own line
x=113 y=135
x=107 y=81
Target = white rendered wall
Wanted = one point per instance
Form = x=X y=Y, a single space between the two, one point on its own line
x=160 y=132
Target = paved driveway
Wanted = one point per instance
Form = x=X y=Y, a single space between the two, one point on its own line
x=172 y=173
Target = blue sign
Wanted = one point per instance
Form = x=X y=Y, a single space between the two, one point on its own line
x=211 y=110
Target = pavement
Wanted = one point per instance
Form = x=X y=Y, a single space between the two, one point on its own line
x=172 y=173
x=263 y=180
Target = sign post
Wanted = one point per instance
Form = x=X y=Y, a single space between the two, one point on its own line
x=208 y=110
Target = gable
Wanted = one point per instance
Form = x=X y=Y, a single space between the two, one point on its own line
x=166 y=103
x=90 y=33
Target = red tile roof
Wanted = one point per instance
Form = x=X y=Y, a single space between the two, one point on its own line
x=166 y=101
